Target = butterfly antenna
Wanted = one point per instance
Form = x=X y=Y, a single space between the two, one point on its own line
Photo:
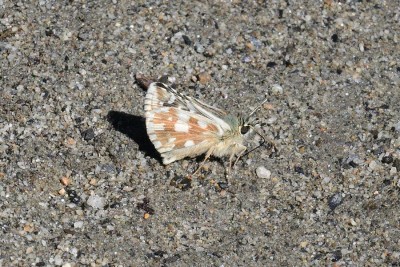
x=260 y=145
x=258 y=107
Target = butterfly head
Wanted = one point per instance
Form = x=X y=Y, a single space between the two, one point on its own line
x=239 y=124
x=245 y=125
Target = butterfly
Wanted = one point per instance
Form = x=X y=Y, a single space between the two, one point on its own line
x=180 y=126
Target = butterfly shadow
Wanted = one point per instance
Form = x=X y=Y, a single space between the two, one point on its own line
x=135 y=128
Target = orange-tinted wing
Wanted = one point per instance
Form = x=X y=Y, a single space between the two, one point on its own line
x=177 y=133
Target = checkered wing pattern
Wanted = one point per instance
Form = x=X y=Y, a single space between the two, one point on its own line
x=180 y=126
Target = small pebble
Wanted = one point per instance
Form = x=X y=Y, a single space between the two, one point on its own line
x=361 y=46
x=396 y=164
x=187 y=40
x=96 y=202
x=73 y=196
x=262 y=172
x=65 y=181
x=277 y=89
x=387 y=159
x=62 y=192
x=246 y=59
x=78 y=224
x=397 y=126
x=58 y=260
x=199 y=48
x=204 y=77
x=335 y=200
x=373 y=165
x=88 y=134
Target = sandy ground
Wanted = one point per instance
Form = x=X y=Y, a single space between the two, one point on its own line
x=81 y=185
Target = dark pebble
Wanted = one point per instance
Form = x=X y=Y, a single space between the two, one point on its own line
x=145 y=206
x=156 y=254
x=73 y=196
x=88 y=134
x=337 y=255
x=181 y=182
x=187 y=40
x=223 y=185
x=335 y=38
x=299 y=169
x=353 y=164
x=396 y=163
x=334 y=201
x=379 y=151
x=387 y=159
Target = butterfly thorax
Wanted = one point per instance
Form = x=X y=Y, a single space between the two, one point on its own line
x=235 y=122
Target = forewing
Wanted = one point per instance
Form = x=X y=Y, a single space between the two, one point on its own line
x=178 y=133
x=161 y=95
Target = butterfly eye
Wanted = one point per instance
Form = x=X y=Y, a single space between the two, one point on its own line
x=244 y=129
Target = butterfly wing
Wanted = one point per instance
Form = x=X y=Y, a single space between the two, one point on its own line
x=160 y=95
x=180 y=126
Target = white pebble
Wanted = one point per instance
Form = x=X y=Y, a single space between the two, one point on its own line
x=262 y=172
x=277 y=89
x=78 y=224
x=58 y=260
x=199 y=48
x=397 y=126
x=373 y=165
x=271 y=120
x=96 y=202
x=361 y=46
x=82 y=72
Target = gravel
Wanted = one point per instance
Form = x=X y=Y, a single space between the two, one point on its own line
x=81 y=184
x=262 y=172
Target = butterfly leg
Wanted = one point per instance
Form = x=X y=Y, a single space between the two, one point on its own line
x=202 y=163
x=229 y=169
x=239 y=152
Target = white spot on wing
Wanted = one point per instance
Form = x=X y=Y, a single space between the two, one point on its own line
x=151 y=127
x=171 y=99
x=148 y=105
x=164 y=109
x=183 y=117
x=202 y=124
x=150 y=115
x=188 y=143
x=153 y=137
x=181 y=127
x=171 y=140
